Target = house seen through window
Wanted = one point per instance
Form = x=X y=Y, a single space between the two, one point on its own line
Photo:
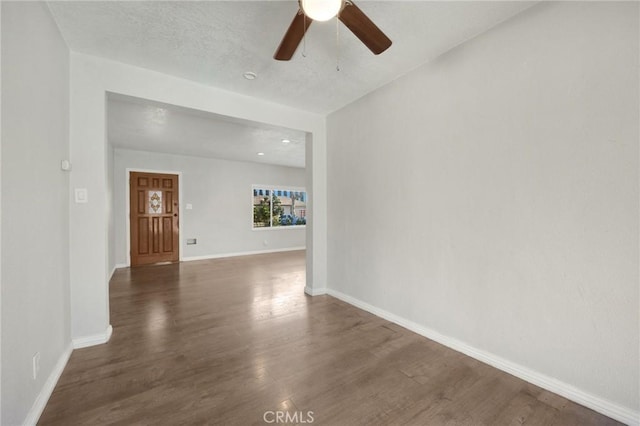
x=277 y=207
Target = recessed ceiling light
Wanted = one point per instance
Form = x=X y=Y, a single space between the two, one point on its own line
x=261 y=153
x=285 y=141
x=250 y=75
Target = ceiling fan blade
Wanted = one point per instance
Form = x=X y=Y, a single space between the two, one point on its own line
x=364 y=28
x=292 y=37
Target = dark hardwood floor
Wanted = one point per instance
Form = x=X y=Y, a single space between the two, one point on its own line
x=235 y=341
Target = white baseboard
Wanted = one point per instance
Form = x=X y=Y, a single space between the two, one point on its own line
x=603 y=406
x=315 y=291
x=47 y=389
x=244 y=253
x=95 y=339
x=117 y=266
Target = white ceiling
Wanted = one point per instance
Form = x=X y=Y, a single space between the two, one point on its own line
x=215 y=42
x=144 y=125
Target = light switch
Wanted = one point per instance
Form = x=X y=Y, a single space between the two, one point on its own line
x=81 y=195
x=189 y=206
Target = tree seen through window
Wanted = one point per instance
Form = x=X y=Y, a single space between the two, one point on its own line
x=279 y=207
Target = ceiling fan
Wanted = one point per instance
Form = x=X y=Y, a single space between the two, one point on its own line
x=323 y=10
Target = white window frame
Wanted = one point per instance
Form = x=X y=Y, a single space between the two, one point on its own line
x=271 y=188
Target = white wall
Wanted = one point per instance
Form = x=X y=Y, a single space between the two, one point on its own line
x=220 y=194
x=35 y=209
x=0 y=217
x=111 y=226
x=91 y=79
x=511 y=164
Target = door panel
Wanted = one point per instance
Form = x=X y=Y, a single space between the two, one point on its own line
x=140 y=208
x=154 y=218
x=167 y=243
x=143 y=235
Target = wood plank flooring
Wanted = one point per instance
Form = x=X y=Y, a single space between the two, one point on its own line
x=225 y=341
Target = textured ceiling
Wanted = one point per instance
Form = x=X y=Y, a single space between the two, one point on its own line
x=214 y=42
x=139 y=124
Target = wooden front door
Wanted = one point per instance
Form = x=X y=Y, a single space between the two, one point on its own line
x=153 y=218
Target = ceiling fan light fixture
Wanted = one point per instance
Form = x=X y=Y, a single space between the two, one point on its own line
x=321 y=10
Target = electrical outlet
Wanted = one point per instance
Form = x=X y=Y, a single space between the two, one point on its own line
x=265 y=243
x=36 y=365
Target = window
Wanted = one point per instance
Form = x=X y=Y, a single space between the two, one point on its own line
x=278 y=207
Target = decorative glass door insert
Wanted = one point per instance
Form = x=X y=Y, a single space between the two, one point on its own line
x=155 y=202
